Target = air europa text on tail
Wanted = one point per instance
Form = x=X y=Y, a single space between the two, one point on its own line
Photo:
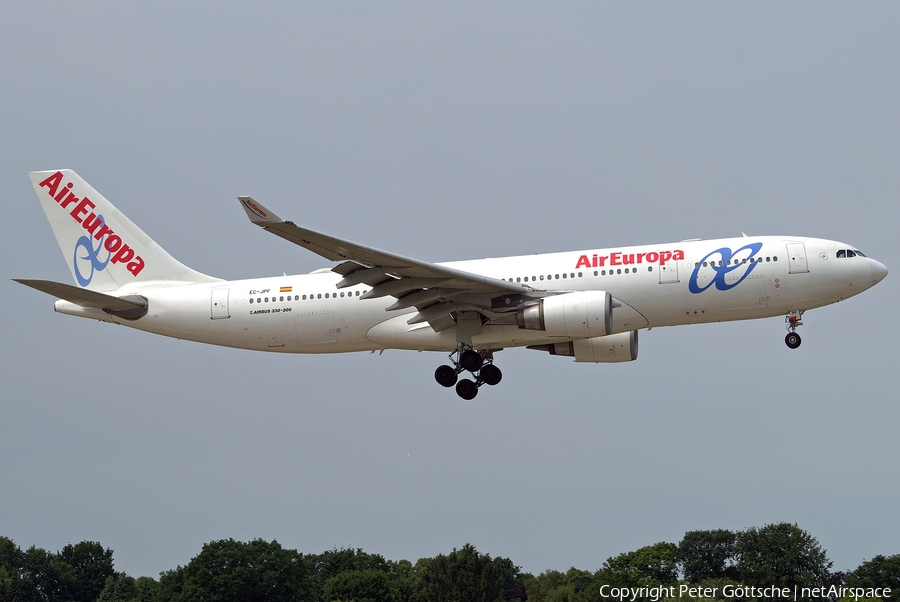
x=92 y=223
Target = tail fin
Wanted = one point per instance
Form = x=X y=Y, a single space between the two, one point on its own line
x=104 y=249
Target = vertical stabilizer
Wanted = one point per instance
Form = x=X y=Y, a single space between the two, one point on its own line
x=104 y=249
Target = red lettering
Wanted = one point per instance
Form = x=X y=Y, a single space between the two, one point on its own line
x=104 y=229
x=63 y=192
x=640 y=257
x=135 y=266
x=82 y=207
x=601 y=259
x=125 y=253
x=583 y=262
x=52 y=183
x=69 y=199
x=664 y=257
x=113 y=242
x=91 y=222
x=653 y=257
x=628 y=259
x=615 y=258
x=678 y=256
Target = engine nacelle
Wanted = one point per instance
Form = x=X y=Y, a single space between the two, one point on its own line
x=621 y=347
x=578 y=315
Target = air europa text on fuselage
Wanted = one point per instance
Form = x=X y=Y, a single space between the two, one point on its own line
x=119 y=251
x=618 y=258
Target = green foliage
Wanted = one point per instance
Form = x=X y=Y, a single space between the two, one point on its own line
x=404 y=581
x=119 y=588
x=782 y=555
x=554 y=586
x=170 y=586
x=707 y=555
x=461 y=575
x=332 y=563
x=91 y=565
x=647 y=566
x=881 y=571
x=10 y=555
x=256 y=571
x=370 y=585
x=7 y=586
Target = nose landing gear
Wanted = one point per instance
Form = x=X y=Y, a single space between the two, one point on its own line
x=792 y=320
x=479 y=363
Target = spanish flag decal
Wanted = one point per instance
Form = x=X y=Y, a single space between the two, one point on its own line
x=286 y=289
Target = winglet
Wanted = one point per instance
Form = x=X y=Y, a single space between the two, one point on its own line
x=257 y=213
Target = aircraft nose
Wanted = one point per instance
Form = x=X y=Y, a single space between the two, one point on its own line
x=879 y=271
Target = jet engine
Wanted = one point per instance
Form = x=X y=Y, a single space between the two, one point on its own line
x=578 y=315
x=621 y=347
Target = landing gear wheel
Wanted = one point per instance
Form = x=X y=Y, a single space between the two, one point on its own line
x=490 y=374
x=466 y=389
x=445 y=376
x=792 y=340
x=471 y=360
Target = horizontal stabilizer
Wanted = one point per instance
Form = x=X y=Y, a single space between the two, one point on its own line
x=131 y=307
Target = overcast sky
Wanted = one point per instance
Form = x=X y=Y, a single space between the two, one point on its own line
x=442 y=132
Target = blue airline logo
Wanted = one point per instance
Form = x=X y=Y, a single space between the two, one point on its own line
x=723 y=262
x=91 y=255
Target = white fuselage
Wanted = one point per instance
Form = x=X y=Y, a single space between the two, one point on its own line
x=653 y=285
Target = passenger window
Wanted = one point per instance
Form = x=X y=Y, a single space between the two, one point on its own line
x=564 y=276
x=251 y=299
x=619 y=271
x=319 y=296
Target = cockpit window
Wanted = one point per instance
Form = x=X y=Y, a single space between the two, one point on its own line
x=850 y=253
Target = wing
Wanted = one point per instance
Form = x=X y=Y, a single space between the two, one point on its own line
x=436 y=291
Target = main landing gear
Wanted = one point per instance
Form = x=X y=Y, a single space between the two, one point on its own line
x=792 y=339
x=479 y=363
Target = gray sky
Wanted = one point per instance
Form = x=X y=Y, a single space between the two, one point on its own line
x=442 y=132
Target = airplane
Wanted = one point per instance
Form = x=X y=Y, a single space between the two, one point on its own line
x=588 y=305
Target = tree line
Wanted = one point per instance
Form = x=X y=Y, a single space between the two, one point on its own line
x=778 y=554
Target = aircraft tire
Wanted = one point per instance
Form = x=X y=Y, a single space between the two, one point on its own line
x=792 y=340
x=471 y=360
x=466 y=389
x=445 y=376
x=490 y=374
